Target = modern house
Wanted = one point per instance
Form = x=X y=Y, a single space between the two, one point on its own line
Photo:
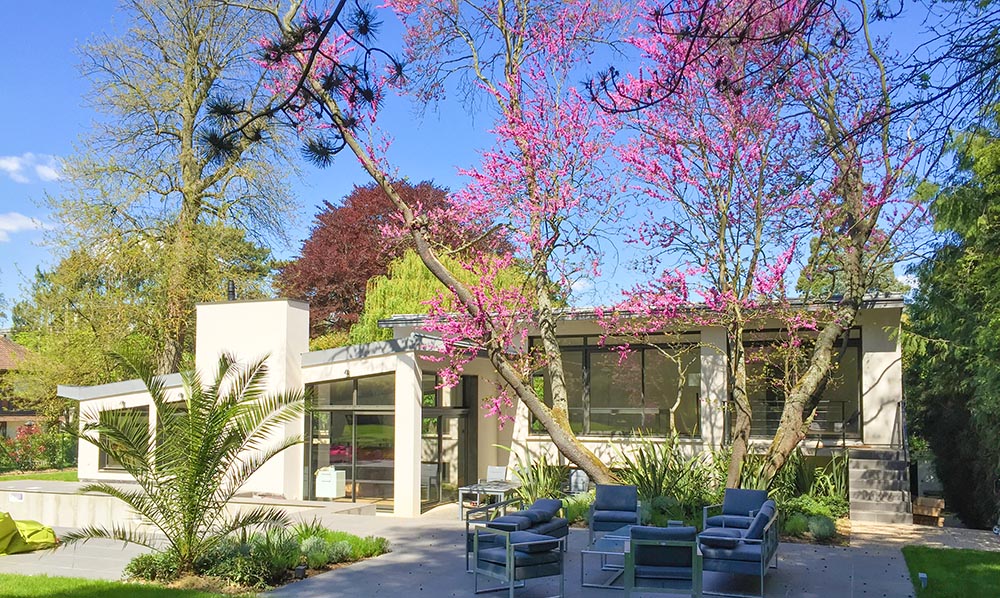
x=382 y=430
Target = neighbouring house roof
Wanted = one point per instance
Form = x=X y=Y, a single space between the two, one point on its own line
x=889 y=300
x=11 y=354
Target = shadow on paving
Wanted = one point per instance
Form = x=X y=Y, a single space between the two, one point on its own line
x=428 y=560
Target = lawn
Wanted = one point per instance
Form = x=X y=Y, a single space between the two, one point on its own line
x=63 y=475
x=29 y=586
x=954 y=573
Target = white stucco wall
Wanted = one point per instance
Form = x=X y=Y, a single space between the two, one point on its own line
x=881 y=375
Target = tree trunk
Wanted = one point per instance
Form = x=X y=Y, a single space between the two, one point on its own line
x=741 y=405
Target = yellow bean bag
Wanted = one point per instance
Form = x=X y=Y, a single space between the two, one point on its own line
x=24 y=536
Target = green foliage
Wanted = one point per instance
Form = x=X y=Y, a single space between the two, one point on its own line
x=822 y=527
x=152 y=566
x=36 y=448
x=810 y=505
x=406 y=288
x=577 y=506
x=42 y=586
x=342 y=551
x=657 y=468
x=796 y=525
x=316 y=551
x=951 y=356
x=540 y=479
x=198 y=460
x=277 y=550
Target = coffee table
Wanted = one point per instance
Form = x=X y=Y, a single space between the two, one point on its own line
x=614 y=543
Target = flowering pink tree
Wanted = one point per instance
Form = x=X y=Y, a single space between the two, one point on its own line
x=722 y=162
x=545 y=177
x=761 y=125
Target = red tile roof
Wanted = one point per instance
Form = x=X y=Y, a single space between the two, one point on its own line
x=11 y=354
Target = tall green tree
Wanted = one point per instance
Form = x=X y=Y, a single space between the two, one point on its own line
x=152 y=166
x=108 y=298
x=953 y=365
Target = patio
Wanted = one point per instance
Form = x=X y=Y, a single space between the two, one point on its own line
x=427 y=560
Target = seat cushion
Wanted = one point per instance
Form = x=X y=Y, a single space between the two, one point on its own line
x=547 y=507
x=720 y=538
x=510 y=523
x=556 y=527
x=740 y=501
x=538 y=542
x=742 y=552
x=737 y=521
x=756 y=529
x=534 y=516
x=622 y=517
x=498 y=556
x=616 y=498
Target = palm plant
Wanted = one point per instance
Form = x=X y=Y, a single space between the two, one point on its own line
x=204 y=449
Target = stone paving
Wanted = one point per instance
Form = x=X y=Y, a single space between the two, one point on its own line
x=427 y=560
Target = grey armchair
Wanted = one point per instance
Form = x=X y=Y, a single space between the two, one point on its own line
x=664 y=560
x=613 y=507
x=739 y=507
x=512 y=557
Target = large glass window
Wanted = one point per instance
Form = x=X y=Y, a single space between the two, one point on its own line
x=649 y=389
x=772 y=369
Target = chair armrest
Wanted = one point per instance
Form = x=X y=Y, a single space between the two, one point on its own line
x=487 y=509
x=704 y=514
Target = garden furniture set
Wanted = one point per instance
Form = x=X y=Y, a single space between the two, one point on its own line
x=512 y=546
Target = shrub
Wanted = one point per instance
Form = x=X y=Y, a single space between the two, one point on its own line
x=153 y=566
x=277 y=550
x=809 y=505
x=822 y=527
x=796 y=525
x=540 y=479
x=242 y=569
x=317 y=551
x=341 y=552
x=577 y=506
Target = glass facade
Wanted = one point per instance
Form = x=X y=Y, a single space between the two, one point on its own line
x=653 y=389
x=770 y=370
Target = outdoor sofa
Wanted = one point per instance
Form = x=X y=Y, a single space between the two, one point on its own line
x=542 y=517
x=743 y=551
x=663 y=560
x=738 y=508
x=512 y=557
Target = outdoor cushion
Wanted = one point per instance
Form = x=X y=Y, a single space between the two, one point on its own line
x=522 y=558
x=533 y=515
x=556 y=527
x=741 y=501
x=623 y=517
x=756 y=529
x=616 y=498
x=549 y=507
x=24 y=535
x=510 y=523
x=666 y=556
x=737 y=521
x=543 y=542
x=742 y=552
x=769 y=505
x=720 y=538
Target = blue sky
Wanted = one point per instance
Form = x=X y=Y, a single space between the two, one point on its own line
x=43 y=113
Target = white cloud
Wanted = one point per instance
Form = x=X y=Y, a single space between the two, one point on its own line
x=13 y=222
x=19 y=168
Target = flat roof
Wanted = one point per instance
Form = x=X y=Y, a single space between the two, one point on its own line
x=413 y=342
x=103 y=391
x=884 y=301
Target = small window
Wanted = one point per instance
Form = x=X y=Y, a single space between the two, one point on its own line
x=133 y=420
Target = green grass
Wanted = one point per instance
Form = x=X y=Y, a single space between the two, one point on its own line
x=954 y=573
x=64 y=475
x=30 y=586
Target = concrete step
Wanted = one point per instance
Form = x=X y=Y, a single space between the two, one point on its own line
x=871 y=506
x=879 y=517
x=877 y=476
x=872 y=453
x=866 y=464
x=879 y=495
